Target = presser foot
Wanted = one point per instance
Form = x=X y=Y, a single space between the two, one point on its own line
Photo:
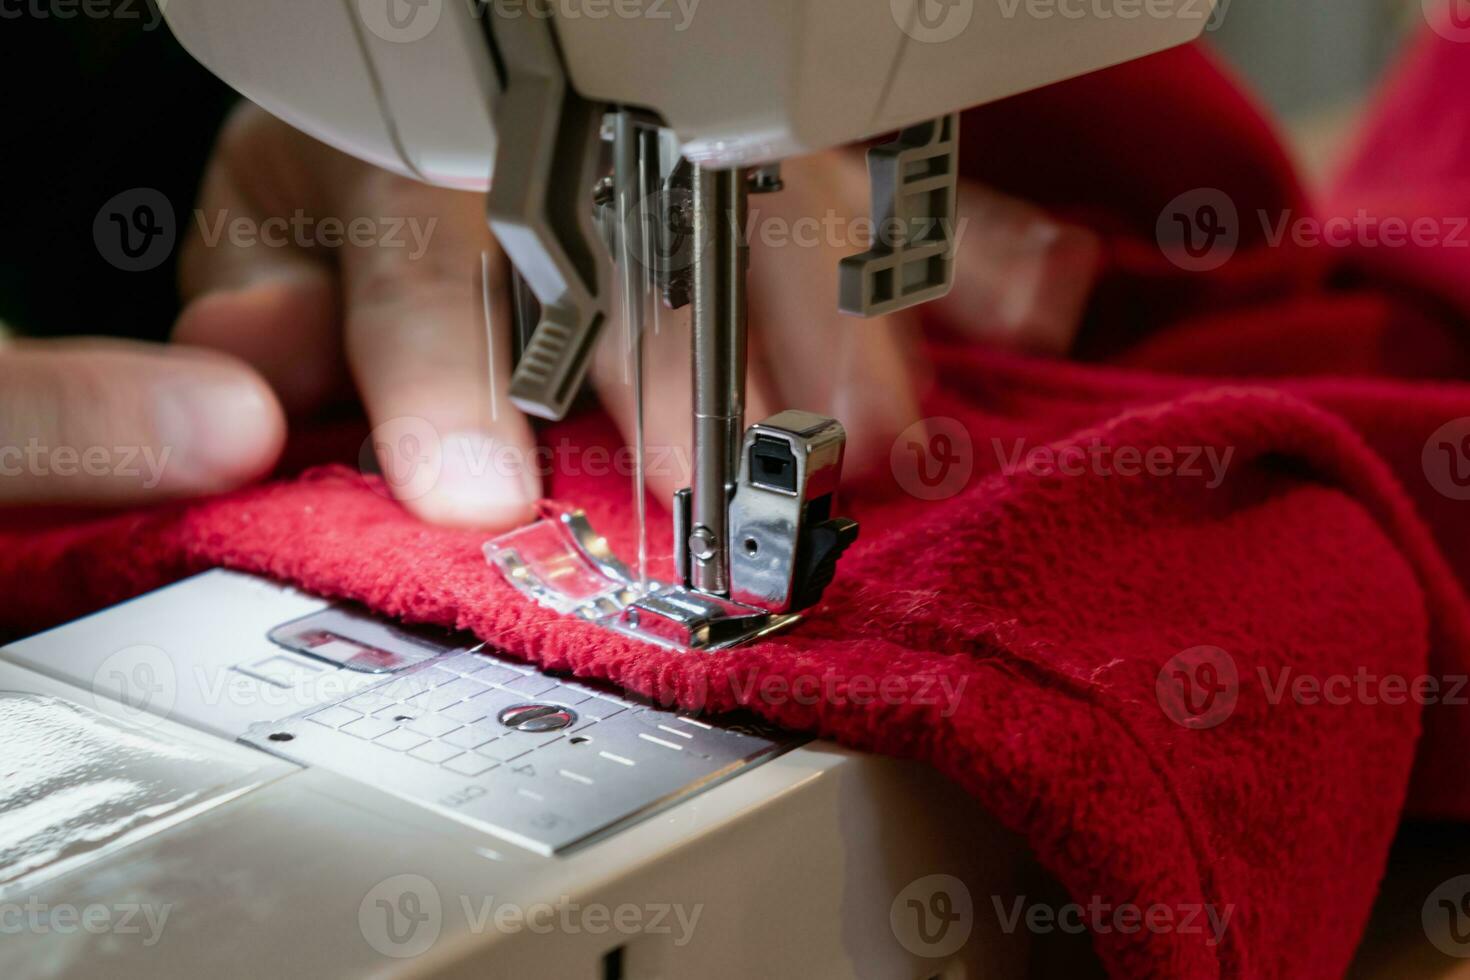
x=564 y=564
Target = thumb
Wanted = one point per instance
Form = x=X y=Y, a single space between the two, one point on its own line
x=112 y=422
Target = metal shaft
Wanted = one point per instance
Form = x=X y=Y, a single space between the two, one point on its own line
x=720 y=263
x=635 y=183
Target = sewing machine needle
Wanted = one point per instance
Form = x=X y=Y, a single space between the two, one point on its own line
x=632 y=144
x=485 y=297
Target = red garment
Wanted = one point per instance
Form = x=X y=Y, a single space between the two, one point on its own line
x=1058 y=605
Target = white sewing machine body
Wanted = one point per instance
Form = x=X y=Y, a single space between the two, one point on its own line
x=631 y=133
x=306 y=790
x=258 y=866
x=740 y=82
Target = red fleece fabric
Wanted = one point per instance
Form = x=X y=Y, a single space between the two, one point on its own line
x=1052 y=602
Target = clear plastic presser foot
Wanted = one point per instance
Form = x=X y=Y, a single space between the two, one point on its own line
x=562 y=563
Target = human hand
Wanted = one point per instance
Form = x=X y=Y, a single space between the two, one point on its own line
x=406 y=321
x=95 y=421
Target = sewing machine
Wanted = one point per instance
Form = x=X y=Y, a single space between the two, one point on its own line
x=314 y=791
x=630 y=134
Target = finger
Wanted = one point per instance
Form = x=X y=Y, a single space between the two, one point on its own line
x=117 y=422
x=287 y=329
x=863 y=372
x=1022 y=278
x=255 y=280
x=416 y=343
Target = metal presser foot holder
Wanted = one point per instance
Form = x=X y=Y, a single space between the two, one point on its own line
x=756 y=537
x=785 y=554
x=562 y=563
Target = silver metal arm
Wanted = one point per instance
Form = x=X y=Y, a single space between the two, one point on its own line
x=719 y=370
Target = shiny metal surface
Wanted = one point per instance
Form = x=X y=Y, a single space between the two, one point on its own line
x=565 y=565
x=635 y=190
x=719 y=366
x=546 y=763
x=683 y=619
x=768 y=521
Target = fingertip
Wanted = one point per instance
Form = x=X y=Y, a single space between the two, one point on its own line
x=482 y=482
x=122 y=422
x=218 y=423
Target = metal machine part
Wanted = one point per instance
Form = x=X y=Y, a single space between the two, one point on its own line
x=792 y=543
x=786 y=539
x=562 y=563
x=546 y=763
x=538 y=211
x=542 y=761
x=411 y=86
x=513 y=96
x=351 y=637
x=677 y=232
x=915 y=180
x=141 y=797
x=719 y=370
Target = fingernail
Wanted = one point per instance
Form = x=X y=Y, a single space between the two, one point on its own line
x=212 y=433
x=483 y=482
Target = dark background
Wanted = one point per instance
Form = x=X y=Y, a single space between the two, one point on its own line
x=92 y=106
x=105 y=101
